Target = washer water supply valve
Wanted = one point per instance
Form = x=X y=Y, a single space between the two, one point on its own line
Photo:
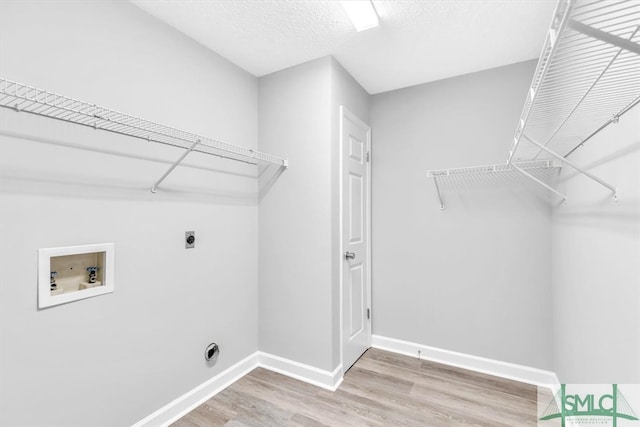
x=211 y=352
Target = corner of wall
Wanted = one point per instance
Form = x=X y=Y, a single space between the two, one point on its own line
x=596 y=248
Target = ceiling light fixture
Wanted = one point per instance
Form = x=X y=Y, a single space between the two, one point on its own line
x=362 y=13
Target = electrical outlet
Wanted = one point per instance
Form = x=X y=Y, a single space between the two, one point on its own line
x=189 y=239
x=211 y=352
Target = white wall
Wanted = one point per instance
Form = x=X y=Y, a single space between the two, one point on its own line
x=113 y=359
x=299 y=114
x=295 y=215
x=596 y=261
x=474 y=278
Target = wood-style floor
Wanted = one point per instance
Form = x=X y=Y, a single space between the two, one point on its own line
x=381 y=389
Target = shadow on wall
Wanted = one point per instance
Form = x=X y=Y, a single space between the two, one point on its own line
x=600 y=211
x=488 y=186
x=33 y=183
x=268 y=177
x=84 y=147
x=630 y=149
x=36 y=181
x=623 y=221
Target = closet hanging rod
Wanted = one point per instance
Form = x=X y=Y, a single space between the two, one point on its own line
x=24 y=98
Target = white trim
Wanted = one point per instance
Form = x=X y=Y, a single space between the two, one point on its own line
x=555 y=384
x=186 y=403
x=345 y=112
x=189 y=401
x=327 y=380
x=340 y=228
x=524 y=374
x=309 y=374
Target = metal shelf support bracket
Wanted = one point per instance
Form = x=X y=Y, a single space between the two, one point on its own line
x=533 y=178
x=435 y=182
x=154 y=189
x=573 y=165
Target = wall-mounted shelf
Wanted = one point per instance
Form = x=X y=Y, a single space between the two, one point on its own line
x=587 y=77
x=25 y=98
x=524 y=168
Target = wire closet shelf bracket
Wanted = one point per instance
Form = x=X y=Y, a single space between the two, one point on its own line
x=587 y=77
x=24 y=98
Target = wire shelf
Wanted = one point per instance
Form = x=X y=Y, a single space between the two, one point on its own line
x=538 y=170
x=588 y=75
x=503 y=167
x=22 y=97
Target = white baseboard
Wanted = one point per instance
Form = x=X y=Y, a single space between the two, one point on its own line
x=493 y=367
x=309 y=374
x=189 y=401
x=328 y=380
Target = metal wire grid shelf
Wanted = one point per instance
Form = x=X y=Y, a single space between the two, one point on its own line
x=520 y=168
x=29 y=99
x=587 y=77
x=504 y=167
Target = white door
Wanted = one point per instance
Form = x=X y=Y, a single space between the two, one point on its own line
x=356 y=284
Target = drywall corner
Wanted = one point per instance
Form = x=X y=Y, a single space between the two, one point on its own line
x=295 y=215
x=476 y=277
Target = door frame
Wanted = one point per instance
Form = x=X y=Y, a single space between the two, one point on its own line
x=345 y=112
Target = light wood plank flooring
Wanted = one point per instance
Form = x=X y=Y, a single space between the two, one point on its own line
x=381 y=389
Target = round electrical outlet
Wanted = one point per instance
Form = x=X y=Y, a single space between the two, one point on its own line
x=212 y=351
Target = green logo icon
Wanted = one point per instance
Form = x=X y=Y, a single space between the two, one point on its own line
x=613 y=406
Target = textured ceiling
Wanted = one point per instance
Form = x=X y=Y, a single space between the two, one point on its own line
x=416 y=42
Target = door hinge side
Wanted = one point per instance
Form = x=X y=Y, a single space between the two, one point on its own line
x=369 y=313
x=367 y=156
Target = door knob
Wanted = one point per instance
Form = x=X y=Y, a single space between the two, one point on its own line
x=350 y=255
